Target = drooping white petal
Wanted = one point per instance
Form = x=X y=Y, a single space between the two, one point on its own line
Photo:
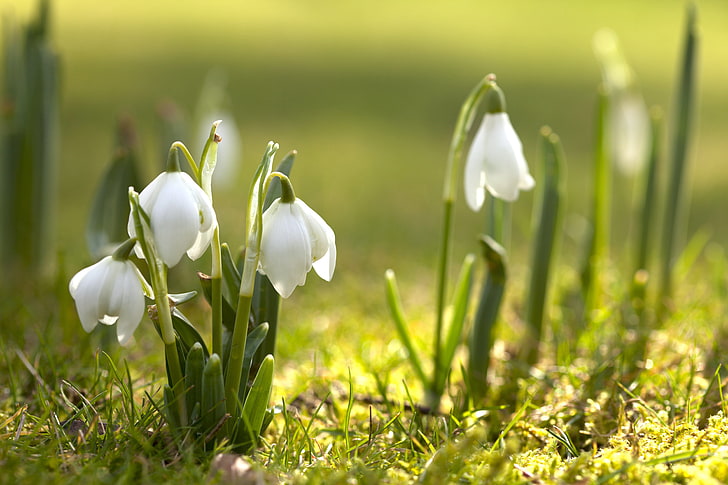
x=285 y=251
x=201 y=243
x=110 y=293
x=207 y=218
x=181 y=217
x=84 y=288
x=474 y=178
x=175 y=219
x=525 y=181
x=206 y=213
x=501 y=165
x=325 y=266
x=132 y=304
x=77 y=278
x=147 y=198
x=323 y=242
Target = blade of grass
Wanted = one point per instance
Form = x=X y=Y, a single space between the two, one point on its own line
x=674 y=205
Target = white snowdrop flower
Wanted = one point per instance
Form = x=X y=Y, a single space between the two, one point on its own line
x=295 y=239
x=110 y=292
x=181 y=216
x=495 y=161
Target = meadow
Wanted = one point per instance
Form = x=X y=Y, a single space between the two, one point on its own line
x=368 y=94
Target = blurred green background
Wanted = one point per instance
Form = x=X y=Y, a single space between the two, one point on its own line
x=368 y=93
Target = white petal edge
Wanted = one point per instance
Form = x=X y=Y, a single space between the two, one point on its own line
x=84 y=288
x=474 y=178
x=502 y=150
x=132 y=303
x=323 y=244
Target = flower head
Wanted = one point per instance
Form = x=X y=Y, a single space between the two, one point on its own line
x=495 y=161
x=110 y=292
x=181 y=217
x=294 y=239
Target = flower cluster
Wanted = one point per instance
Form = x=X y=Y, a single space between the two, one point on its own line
x=182 y=220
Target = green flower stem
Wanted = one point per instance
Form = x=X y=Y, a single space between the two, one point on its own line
x=164 y=314
x=237 y=354
x=158 y=276
x=499 y=220
x=178 y=145
x=462 y=128
x=234 y=366
x=216 y=282
x=287 y=194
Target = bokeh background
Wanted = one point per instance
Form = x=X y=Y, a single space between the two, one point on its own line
x=368 y=93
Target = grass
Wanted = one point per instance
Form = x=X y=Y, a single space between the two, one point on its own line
x=369 y=96
x=350 y=411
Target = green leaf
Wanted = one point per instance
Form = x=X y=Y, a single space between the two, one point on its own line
x=228 y=310
x=264 y=308
x=106 y=227
x=486 y=316
x=461 y=298
x=172 y=410
x=256 y=405
x=274 y=189
x=255 y=204
x=253 y=342
x=675 y=198
x=193 y=379
x=208 y=159
x=400 y=323
x=213 y=394
x=187 y=334
x=544 y=237
x=180 y=298
x=29 y=142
